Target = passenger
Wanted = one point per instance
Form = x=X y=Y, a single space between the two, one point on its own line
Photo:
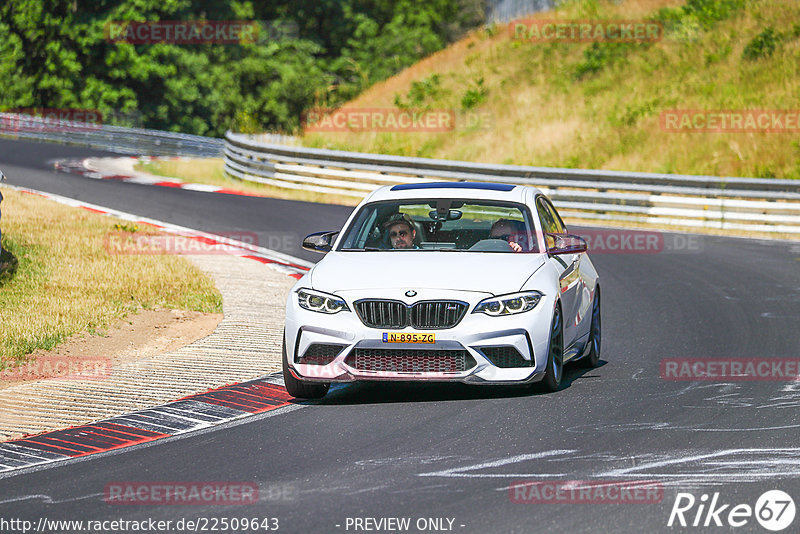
x=400 y=231
x=509 y=231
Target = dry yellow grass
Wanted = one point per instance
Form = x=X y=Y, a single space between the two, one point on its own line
x=210 y=171
x=540 y=114
x=66 y=281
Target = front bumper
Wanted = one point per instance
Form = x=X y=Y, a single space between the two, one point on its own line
x=526 y=333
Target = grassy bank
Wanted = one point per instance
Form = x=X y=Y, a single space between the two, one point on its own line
x=584 y=105
x=66 y=282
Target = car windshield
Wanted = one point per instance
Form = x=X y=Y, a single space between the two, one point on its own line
x=443 y=225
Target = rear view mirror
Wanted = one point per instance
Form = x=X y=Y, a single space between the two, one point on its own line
x=565 y=244
x=450 y=215
x=319 y=241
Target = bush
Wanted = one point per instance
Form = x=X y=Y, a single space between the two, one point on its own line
x=697 y=13
x=707 y=12
x=421 y=91
x=598 y=56
x=670 y=17
x=762 y=45
x=474 y=95
x=764 y=171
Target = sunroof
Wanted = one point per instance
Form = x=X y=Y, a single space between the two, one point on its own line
x=487 y=186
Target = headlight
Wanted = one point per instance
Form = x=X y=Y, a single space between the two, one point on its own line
x=509 y=304
x=320 y=302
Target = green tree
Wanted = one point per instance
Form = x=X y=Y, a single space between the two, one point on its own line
x=55 y=54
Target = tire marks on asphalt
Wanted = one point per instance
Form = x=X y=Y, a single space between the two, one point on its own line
x=681 y=468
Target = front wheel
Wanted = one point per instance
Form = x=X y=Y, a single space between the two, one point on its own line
x=555 y=355
x=300 y=388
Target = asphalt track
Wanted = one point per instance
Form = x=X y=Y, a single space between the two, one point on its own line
x=433 y=451
x=278 y=224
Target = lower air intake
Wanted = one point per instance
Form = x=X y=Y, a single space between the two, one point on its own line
x=320 y=354
x=410 y=361
x=505 y=357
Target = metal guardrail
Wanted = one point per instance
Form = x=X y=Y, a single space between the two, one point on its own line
x=749 y=204
x=137 y=141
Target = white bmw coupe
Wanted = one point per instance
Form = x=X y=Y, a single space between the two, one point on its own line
x=469 y=282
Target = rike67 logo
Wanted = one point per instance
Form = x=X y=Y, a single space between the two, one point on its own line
x=774 y=510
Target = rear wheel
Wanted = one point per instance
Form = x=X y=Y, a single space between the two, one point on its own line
x=555 y=355
x=300 y=388
x=593 y=358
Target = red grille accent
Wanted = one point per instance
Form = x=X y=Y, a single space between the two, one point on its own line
x=410 y=361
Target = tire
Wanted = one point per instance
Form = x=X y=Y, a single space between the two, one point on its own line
x=554 y=371
x=593 y=358
x=299 y=388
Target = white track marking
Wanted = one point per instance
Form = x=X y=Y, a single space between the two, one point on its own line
x=47 y=499
x=638 y=471
x=679 y=469
x=458 y=472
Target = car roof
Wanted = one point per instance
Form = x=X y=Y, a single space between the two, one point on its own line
x=465 y=190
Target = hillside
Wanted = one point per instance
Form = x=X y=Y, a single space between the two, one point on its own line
x=585 y=105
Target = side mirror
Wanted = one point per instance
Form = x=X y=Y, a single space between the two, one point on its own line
x=565 y=244
x=319 y=241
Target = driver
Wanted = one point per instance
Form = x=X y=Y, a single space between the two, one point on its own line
x=400 y=230
x=508 y=231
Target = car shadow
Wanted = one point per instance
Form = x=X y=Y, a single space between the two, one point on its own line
x=394 y=392
x=574 y=371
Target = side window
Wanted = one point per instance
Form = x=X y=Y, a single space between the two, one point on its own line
x=549 y=224
x=555 y=217
x=359 y=234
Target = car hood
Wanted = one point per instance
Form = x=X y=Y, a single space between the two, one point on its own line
x=466 y=271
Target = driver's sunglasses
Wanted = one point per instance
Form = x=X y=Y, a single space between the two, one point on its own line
x=401 y=233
